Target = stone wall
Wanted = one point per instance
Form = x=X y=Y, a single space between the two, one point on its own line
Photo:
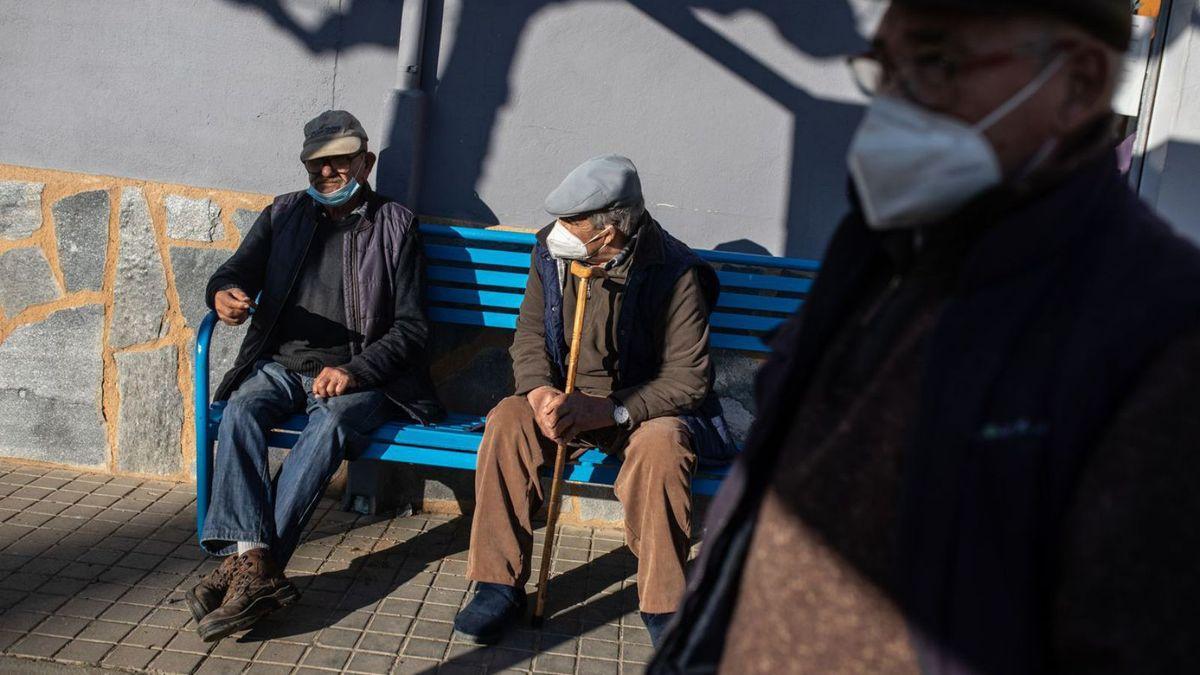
x=101 y=288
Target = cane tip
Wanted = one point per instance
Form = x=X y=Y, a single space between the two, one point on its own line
x=537 y=621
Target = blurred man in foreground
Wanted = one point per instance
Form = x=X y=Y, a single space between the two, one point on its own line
x=974 y=450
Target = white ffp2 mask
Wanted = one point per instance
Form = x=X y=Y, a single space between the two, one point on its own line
x=915 y=167
x=564 y=245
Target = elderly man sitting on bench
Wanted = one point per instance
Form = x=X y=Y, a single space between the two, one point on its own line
x=643 y=391
x=339 y=333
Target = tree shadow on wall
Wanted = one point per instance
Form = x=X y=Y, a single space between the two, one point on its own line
x=359 y=22
x=475 y=85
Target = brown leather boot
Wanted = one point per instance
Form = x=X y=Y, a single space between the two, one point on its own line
x=257 y=588
x=208 y=594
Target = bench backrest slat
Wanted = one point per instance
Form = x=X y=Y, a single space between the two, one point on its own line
x=477 y=256
x=473 y=317
x=764 y=282
x=468 y=275
x=761 y=303
x=744 y=322
x=474 y=296
x=478 y=278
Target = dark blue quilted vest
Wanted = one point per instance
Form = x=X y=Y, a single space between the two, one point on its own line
x=647 y=290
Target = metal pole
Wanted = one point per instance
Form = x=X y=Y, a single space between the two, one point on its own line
x=412 y=42
x=406 y=108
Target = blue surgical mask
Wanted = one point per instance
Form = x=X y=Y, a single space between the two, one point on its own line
x=337 y=197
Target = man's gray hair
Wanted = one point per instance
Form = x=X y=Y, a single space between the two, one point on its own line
x=624 y=218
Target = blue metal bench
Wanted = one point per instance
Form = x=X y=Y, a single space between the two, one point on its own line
x=477 y=278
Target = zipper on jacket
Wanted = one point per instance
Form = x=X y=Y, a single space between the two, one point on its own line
x=354 y=308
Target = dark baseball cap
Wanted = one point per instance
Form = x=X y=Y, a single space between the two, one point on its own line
x=1108 y=20
x=333 y=132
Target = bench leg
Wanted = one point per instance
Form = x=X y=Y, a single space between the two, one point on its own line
x=370 y=489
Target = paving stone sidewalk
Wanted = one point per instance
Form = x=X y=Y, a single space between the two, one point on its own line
x=93 y=568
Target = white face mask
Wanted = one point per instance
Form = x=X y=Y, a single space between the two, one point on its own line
x=915 y=167
x=564 y=245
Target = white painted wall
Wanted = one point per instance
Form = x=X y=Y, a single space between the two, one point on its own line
x=738 y=118
x=1171 y=176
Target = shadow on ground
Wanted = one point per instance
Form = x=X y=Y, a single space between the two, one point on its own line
x=93 y=569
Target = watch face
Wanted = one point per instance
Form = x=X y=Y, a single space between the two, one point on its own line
x=621 y=415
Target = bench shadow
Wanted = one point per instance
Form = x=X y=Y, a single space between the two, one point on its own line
x=587 y=597
x=581 y=602
x=329 y=597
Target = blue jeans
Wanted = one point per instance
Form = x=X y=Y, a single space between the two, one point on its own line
x=246 y=504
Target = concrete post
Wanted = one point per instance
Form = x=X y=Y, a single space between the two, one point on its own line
x=406 y=111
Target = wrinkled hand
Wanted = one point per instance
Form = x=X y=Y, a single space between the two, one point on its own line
x=578 y=413
x=233 y=306
x=542 y=400
x=332 y=382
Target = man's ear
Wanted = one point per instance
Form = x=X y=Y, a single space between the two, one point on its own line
x=1090 y=74
x=368 y=164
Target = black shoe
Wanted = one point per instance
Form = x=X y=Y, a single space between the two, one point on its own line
x=208 y=594
x=489 y=613
x=656 y=625
x=257 y=588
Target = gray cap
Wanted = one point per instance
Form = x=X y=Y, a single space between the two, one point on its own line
x=333 y=132
x=603 y=182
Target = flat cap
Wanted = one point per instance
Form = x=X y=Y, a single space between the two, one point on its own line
x=333 y=132
x=1108 y=20
x=603 y=182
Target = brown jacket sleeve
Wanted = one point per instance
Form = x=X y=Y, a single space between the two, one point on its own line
x=685 y=377
x=1129 y=596
x=531 y=364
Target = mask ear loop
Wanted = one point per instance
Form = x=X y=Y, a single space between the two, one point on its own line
x=1022 y=95
x=598 y=236
x=1039 y=158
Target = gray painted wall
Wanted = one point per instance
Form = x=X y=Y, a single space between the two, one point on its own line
x=738 y=118
x=1172 y=164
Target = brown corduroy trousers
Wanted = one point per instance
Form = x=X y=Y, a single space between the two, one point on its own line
x=654 y=486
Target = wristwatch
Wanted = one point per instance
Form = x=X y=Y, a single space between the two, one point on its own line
x=620 y=413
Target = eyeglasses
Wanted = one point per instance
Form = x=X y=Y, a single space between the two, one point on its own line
x=930 y=79
x=339 y=163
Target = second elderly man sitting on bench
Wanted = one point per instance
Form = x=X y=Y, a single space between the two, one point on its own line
x=643 y=391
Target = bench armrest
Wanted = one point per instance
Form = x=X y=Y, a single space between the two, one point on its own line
x=200 y=402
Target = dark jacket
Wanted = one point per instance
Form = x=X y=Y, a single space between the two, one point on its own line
x=658 y=263
x=383 y=277
x=1063 y=301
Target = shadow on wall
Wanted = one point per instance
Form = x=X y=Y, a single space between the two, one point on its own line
x=821 y=129
x=1175 y=193
x=475 y=85
x=370 y=22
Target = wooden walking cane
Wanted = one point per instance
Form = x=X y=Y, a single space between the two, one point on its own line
x=583 y=273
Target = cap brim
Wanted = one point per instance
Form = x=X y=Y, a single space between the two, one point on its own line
x=345 y=145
